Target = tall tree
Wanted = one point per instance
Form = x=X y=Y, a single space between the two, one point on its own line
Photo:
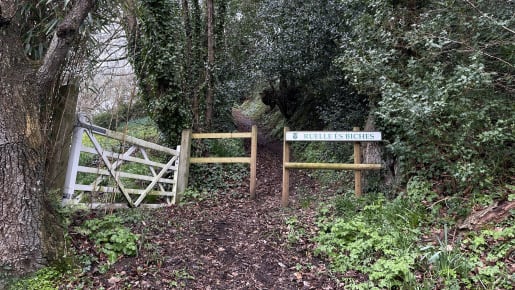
x=158 y=60
x=30 y=237
x=188 y=87
x=174 y=59
x=210 y=14
x=197 y=63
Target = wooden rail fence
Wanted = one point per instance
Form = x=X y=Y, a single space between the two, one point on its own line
x=185 y=160
x=355 y=136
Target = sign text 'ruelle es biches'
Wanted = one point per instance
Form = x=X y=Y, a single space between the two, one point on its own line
x=333 y=136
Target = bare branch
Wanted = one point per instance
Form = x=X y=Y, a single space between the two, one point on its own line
x=486 y=15
x=472 y=49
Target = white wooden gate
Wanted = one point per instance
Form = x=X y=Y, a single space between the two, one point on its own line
x=110 y=179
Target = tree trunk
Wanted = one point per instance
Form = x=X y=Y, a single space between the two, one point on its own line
x=21 y=162
x=31 y=236
x=221 y=41
x=198 y=62
x=371 y=154
x=188 y=65
x=210 y=64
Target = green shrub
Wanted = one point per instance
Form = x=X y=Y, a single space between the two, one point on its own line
x=45 y=279
x=111 y=237
x=374 y=236
x=193 y=195
x=382 y=239
x=489 y=251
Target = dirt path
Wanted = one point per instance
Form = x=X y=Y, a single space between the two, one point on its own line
x=224 y=242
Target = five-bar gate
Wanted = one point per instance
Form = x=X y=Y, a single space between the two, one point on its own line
x=115 y=169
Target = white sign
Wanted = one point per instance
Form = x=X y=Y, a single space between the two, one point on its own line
x=356 y=136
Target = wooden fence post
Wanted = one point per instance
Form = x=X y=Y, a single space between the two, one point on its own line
x=64 y=120
x=253 y=157
x=73 y=164
x=357 y=160
x=184 y=163
x=286 y=172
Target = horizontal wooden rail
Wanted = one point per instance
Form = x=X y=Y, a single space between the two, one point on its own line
x=122 y=174
x=96 y=205
x=185 y=159
x=343 y=136
x=220 y=160
x=124 y=138
x=120 y=156
x=221 y=135
x=109 y=189
x=142 y=143
x=332 y=166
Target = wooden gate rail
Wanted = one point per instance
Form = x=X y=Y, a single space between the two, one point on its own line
x=113 y=161
x=355 y=136
x=185 y=160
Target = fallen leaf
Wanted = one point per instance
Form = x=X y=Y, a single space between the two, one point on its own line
x=114 y=280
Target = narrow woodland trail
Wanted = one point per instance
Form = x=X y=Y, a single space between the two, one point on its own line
x=224 y=242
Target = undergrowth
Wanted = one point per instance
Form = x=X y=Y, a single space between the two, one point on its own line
x=112 y=240
x=111 y=237
x=374 y=236
x=403 y=243
x=45 y=279
x=217 y=178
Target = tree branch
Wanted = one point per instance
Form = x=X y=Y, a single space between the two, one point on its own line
x=489 y=17
x=61 y=44
x=472 y=49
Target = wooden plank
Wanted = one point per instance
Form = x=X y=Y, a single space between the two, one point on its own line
x=151 y=168
x=174 y=189
x=110 y=168
x=73 y=162
x=154 y=182
x=117 y=163
x=110 y=189
x=357 y=161
x=123 y=137
x=120 y=156
x=286 y=173
x=97 y=205
x=220 y=160
x=332 y=166
x=253 y=159
x=184 y=163
x=338 y=136
x=221 y=135
x=149 y=145
x=122 y=174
